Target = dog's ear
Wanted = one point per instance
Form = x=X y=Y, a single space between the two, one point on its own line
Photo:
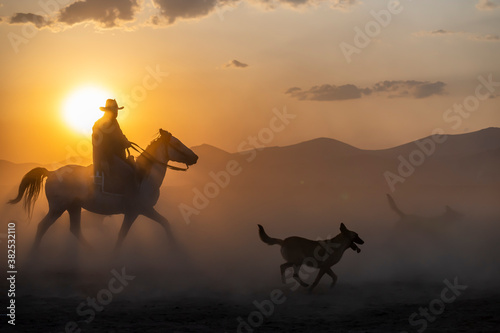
x=343 y=228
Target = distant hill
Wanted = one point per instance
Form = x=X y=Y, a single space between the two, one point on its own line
x=326 y=160
x=328 y=174
x=456 y=144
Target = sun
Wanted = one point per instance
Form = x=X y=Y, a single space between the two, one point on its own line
x=81 y=108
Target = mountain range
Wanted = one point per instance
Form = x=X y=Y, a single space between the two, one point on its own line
x=328 y=174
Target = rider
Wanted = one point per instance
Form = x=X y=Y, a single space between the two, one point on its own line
x=109 y=145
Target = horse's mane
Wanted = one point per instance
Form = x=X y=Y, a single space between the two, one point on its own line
x=143 y=162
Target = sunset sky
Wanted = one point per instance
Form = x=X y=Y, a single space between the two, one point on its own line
x=213 y=71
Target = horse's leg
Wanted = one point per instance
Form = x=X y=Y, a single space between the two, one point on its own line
x=75 y=217
x=128 y=219
x=45 y=224
x=157 y=217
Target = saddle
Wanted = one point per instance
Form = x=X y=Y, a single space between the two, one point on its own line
x=119 y=180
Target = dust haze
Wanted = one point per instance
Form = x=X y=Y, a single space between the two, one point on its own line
x=303 y=190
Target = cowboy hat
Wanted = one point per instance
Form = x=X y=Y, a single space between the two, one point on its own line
x=111 y=105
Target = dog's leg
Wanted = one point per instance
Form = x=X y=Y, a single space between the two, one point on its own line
x=296 y=269
x=321 y=272
x=283 y=268
x=333 y=275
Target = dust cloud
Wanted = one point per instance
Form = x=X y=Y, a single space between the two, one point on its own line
x=218 y=258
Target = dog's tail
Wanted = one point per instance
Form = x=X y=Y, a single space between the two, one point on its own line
x=394 y=207
x=266 y=239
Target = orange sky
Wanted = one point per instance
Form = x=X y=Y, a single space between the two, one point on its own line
x=430 y=54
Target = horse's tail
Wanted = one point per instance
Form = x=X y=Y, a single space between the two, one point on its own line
x=30 y=188
x=266 y=239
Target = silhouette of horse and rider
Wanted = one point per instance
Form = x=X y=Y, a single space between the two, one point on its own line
x=114 y=184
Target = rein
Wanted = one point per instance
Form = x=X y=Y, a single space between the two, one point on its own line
x=150 y=157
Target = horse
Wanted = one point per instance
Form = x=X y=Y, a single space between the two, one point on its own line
x=71 y=188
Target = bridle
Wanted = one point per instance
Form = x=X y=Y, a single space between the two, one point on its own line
x=150 y=157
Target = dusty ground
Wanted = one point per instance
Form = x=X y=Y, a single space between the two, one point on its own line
x=369 y=307
x=215 y=281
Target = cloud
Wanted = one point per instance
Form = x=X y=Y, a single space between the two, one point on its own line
x=38 y=20
x=106 y=13
x=393 y=89
x=461 y=34
x=235 y=63
x=410 y=88
x=427 y=89
x=486 y=5
x=114 y=13
x=438 y=32
x=172 y=10
x=486 y=38
x=327 y=92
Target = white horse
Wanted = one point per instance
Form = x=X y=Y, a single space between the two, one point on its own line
x=71 y=188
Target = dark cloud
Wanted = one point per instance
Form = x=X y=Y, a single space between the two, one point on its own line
x=38 y=20
x=292 y=90
x=107 y=13
x=113 y=13
x=440 y=32
x=172 y=10
x=327 y=92
x=235 y=63
x=410 y=88
x=427 y=89
x=186 y=9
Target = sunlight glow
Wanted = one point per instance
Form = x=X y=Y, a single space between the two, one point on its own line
x=81 y=108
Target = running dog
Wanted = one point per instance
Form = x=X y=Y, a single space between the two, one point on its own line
x=423 y=223
x=298 y=251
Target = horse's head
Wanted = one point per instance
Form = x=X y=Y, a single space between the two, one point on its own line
x=176 y=150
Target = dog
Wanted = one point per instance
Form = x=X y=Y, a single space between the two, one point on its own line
x=434 y=223
x=298 y=251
